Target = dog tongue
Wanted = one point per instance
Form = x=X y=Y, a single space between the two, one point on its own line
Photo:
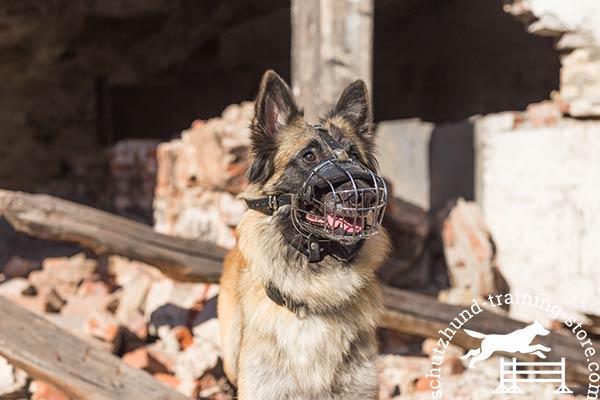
x=338 y=221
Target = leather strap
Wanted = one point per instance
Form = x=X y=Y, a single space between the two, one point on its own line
x=335 y=147
x=268 y=205
x=298 y=308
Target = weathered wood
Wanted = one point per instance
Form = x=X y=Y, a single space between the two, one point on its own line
x=331 y=47
x=49 y=353
x=48 y=217
x=407 y=312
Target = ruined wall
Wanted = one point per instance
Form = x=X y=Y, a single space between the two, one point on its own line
x=537 y=172
x=576 y=24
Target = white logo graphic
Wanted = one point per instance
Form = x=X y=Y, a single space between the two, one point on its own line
x=518 y=344
x=525 y=375
x=518 y=341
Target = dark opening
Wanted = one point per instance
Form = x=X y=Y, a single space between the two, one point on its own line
x=446 y=60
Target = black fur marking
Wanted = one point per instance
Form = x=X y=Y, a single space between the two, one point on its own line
x=274 y=108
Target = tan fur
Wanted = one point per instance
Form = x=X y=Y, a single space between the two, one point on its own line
x=305 y=357
x=270 y=352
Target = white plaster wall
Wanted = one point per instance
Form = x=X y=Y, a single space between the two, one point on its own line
x=539 y=189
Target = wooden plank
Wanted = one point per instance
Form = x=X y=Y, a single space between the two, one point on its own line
x=48 y=217
x=332 y=45
x=51 y=354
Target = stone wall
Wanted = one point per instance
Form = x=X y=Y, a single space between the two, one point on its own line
x=577 y=25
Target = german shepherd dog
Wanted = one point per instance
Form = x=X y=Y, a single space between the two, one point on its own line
x=299 y=300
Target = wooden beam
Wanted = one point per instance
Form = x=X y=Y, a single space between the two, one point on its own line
x=332 y=45
x=48 y=217
x=187 y=260
x=82 y=371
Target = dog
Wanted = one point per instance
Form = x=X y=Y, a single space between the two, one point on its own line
x=518 y=341
x=299 y=300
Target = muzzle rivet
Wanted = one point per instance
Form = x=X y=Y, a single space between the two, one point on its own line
x=314 y=245
x=341 y=155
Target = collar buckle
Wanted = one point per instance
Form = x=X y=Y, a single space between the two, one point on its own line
x=273 y=203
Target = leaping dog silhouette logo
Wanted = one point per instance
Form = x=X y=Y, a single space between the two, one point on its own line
x=518 y=341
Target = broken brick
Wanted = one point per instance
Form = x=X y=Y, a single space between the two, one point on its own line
x=143 y=359
x=102 y=325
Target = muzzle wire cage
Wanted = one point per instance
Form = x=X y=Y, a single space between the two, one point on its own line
x=340 y=200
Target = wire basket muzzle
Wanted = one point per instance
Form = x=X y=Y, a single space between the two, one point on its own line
x=342 y=201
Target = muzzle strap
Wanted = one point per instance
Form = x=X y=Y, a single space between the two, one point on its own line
x=268 y=205
x=335 y=147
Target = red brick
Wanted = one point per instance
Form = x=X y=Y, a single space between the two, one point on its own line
x=543 y=114
x=424 y=383
x=141 y=358
x=93 y=288
x=183 y=336
x=103 y=326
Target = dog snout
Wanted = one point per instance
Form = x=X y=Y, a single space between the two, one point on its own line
x=358 y=193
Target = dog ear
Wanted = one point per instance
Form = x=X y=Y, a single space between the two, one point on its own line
x=273 y=109
x=354 y=106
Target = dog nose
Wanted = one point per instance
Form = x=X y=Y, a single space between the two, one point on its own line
x=359 y=194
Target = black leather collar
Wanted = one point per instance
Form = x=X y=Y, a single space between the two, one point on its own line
x=298 y=308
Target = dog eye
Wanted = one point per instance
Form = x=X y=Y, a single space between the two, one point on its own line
x=354 y=154
x=309 y=156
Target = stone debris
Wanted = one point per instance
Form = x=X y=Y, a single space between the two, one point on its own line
x=131 y=310
x=12 y=380
x=577 y=28
x=199 y=176
x=469 y=254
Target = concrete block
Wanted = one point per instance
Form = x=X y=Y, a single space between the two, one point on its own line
x=403 y=155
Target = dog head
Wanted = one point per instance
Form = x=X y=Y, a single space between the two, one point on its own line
x=329 y=183
x=539 y=329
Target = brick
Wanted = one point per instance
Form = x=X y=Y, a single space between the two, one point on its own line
x=423 y=384
x=183 y=336
x=545 y=113
x=199 y=176
x=468 y=251
x=169 y=303
x=64 y=274
x=53 y=302
x=143 y=359
x=93 y=288
x=102 y=325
